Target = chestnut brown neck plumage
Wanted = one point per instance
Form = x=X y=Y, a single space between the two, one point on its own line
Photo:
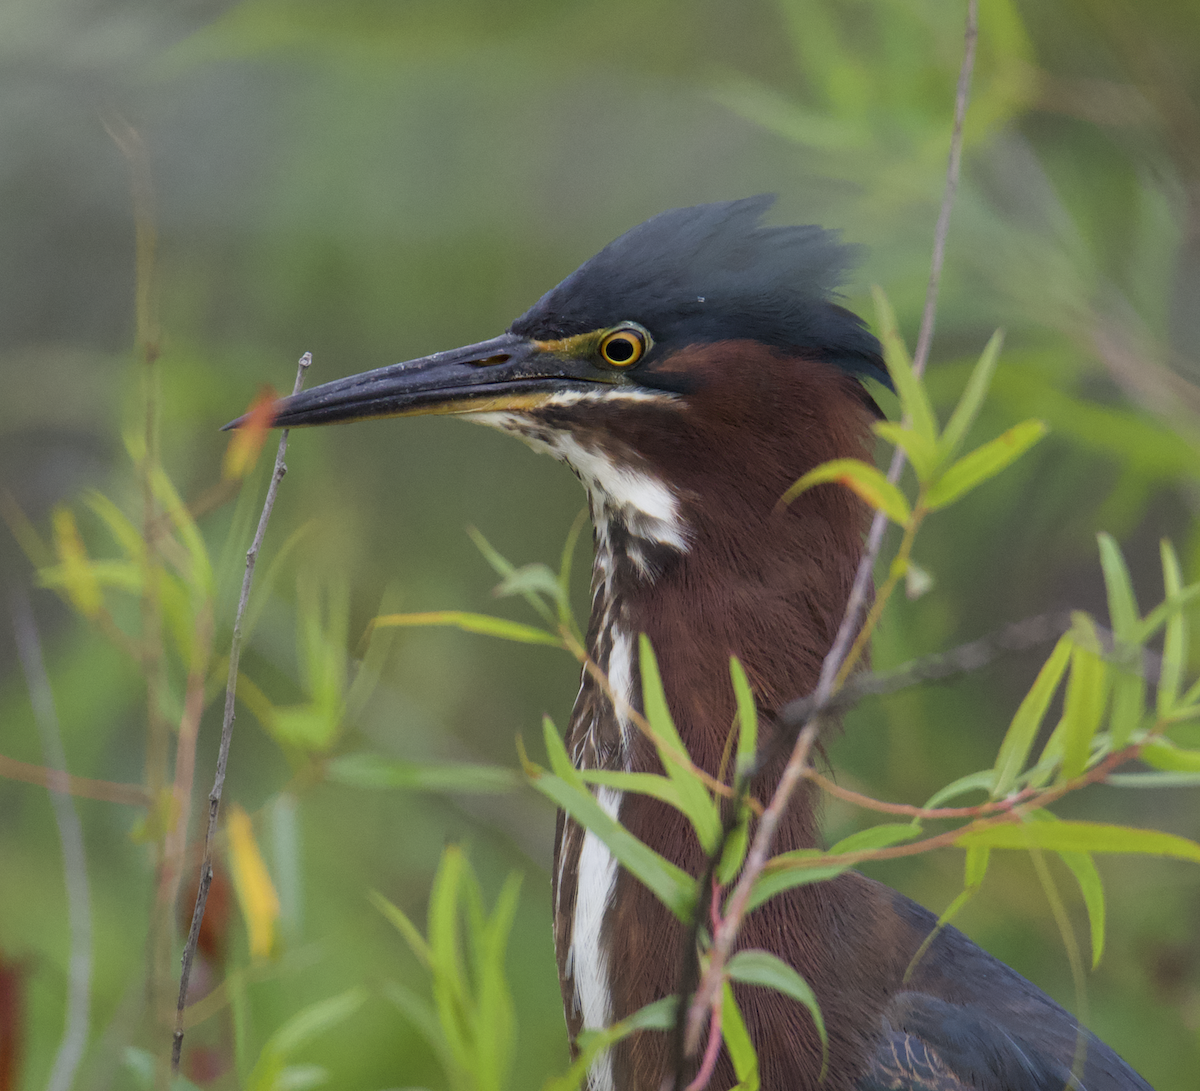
x=764 y=583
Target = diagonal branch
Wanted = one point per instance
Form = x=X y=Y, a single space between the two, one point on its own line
x=214 y=797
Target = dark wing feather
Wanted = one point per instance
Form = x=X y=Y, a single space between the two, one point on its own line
x=967 y=1022
x=931 y=1045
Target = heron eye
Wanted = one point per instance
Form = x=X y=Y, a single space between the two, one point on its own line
x=623 y=347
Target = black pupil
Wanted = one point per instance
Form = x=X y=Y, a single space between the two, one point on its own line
x=619 y=350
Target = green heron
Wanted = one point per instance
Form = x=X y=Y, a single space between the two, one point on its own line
x=688 y=374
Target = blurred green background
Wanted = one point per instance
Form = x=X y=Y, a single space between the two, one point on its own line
x=373 y=180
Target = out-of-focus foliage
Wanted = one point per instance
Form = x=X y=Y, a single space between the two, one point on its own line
x=376 y=180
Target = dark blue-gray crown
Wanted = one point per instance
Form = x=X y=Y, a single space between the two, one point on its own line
x=714 y=273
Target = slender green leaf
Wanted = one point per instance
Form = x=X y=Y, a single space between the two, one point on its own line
x=755 y=967
x=867 y=481
x=670 y=884
x=402 y=924
x=747 y=711
x=1083 y=709
x=877 y=837
x=127 y=536
x=418 y=1011
x=1081 y=837
x=451 y=990
x=983 y=463
x=738 y=1042
x=646 y=784
x=565 y=616
x=659 y=1015
x=971 y=400
x=975 y=866
x=1128 y=705
x=1122 y=604
x=1083 y=867
x=484 y=624
x=921 y=452
x=972 y=782
x=791 y=869
x=1175 y=642
x=315 y=1020
x=1153 y=780
x=1163 y=754
x=914 y=401
x=734 y=853
x=1158 y=617
x=694 y=799
x=366 y=770
x=200 y=576
x=1018 y=740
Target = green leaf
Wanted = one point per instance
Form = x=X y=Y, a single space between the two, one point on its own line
x=367 y=770
x=738 y=1042
x=1081 y=837
x=200 y=575
x=1164 y=754
x=670 y=884
x=975 y=867
x=876 y=837
x=418 y=1011
x=1175 y=642
x=1153 y=780
x=484 y=624
x=565 y=616
x=763 y=968
x=659 y=1015
x=734 y=853
x=312 y=1021
x=406 y=928
x=1083 y=867
x=914 y=401
x=971 y=400
x=1122 y=604
x=1166 y=610
x=1083 y=709
x=788 y=870
x=1018 y=740
x=646 y=784
x=983 y=463
x=694 y=799
x=921 y=452
x=747 y=713
x=1128 y=706
x=972 y=782
x=868 y=482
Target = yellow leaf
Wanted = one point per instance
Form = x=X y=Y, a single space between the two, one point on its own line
x=255 y=892
x=79 y=581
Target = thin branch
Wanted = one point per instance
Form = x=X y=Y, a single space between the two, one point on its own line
x=214 y=797
x=70 y=832
x=107 y=791
x=726 y=933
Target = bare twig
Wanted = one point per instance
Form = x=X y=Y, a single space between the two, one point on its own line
x=214 y=797
x=725 y=934
x=70 y=832
x=108 y=791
